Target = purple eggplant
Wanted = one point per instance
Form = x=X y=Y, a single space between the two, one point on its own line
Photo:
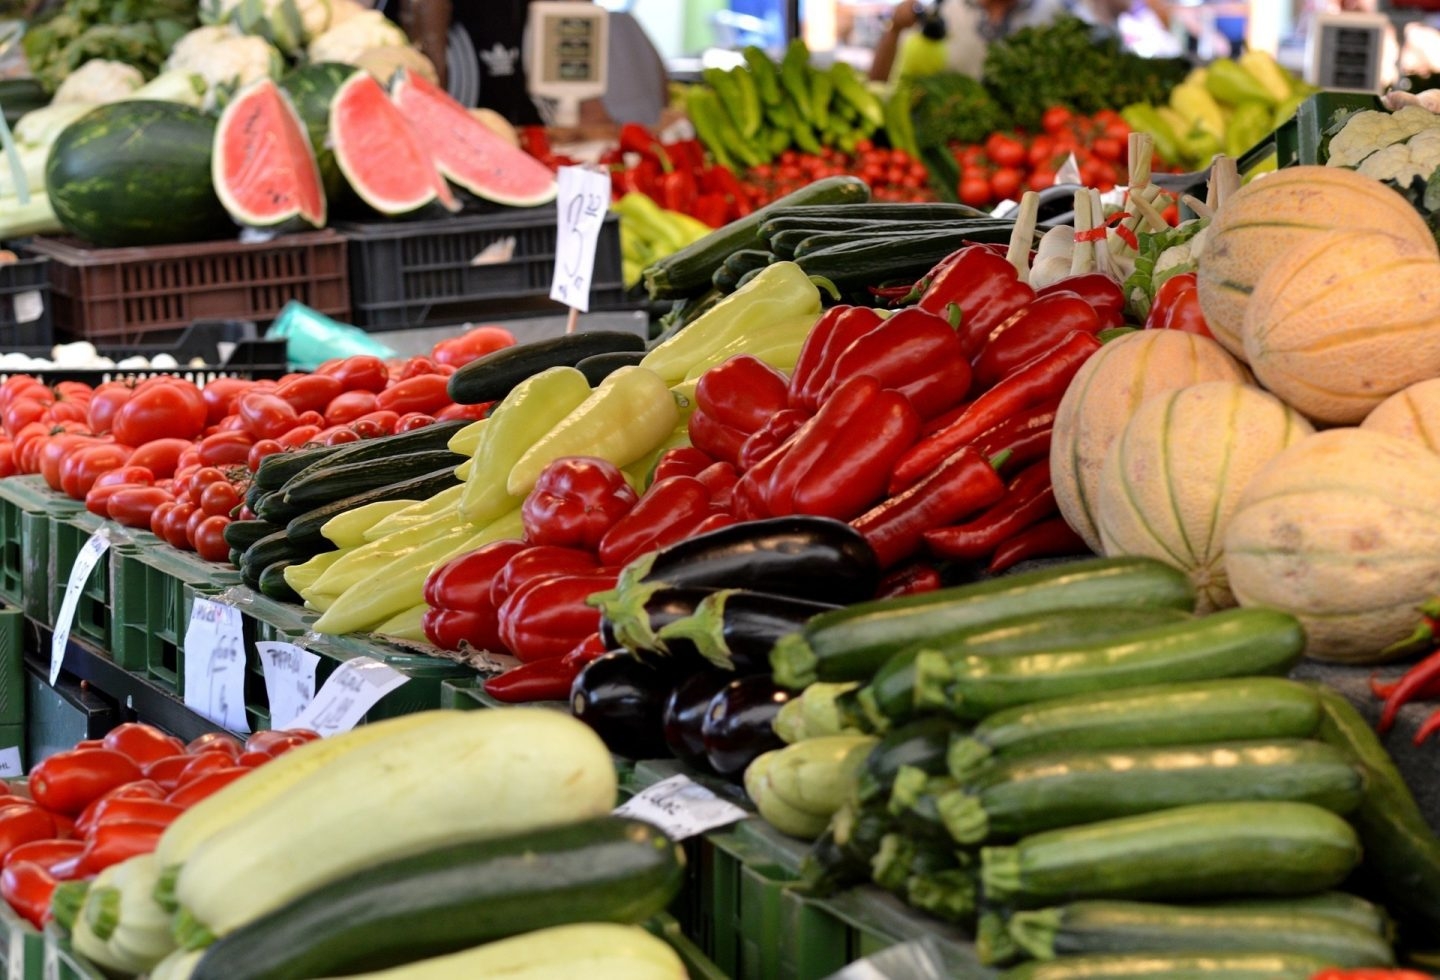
x=622 y=695
x=734 y=629
x=685 y=712
x=738 y=723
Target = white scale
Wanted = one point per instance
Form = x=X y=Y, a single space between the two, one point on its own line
x=1345 y=51
x=566 y=54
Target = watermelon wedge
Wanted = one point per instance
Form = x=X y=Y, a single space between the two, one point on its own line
x=262 y=164
x=467 y=151
x=380 y=153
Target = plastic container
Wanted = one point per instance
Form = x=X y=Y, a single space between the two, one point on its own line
x=1297 y=140
x=25 y=302
x=25 y=544
x=134 y=295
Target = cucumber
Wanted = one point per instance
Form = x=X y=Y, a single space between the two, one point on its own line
x=451 y=897
x=921 y=745
x=1232 y=643
x=689 y=270
x=598 y=367
x=877 y=259
x=276 y=468
x=1141 y=927
x=1172 y=966
x=1165 y=714
x=804 y=222
x=879 y=211
x=304 y=530
x=490 y=378
x=267 y=551
x=272 y=507
x=851 y=644
x=328 y=484
x=434 y=436
x=242 y=534
x=1058 y=789
x=271 y=582
x=1208 y=850
x=738 y=264
x=821 y=240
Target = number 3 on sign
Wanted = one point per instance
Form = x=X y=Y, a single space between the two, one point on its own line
x=584 y=195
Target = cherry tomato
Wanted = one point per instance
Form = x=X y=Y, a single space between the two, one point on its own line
x=347 y=407
x=420 y=393
x=472 y=412
x=133 y=506
x=974 y=191
x=81 y=468
x=45 y=852
x=68 y=781
x=1005 y=184
x=27 y=888
x=1040 y=179
x=360 y=372
x=209 y=538
x=266 y=416
x=1056 y=119
x=310 y=392
x=472 y=344
x=413 y=420
x=160 y=410
x=160 y=456
x=225 y=448
x=261 y=449
x=220 y=396
x=106 y=401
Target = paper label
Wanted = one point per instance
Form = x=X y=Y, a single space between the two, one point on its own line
x=584 y=197
x=356 y=686
x=50 y=966
x=289 y=680
x=15 y=954
x=681 y=807
x=85 y=562
x=215 y=664
x=29 y=307
x=10 y=764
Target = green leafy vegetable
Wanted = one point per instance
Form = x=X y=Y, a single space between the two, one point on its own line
x=137 y=32
x=1162 y=254
x=951 y=106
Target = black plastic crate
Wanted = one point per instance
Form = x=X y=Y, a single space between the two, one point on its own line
x=25 y=302
x=249 y=356
x=424 y=273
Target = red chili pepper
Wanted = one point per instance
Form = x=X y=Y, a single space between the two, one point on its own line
x=913 y=352
x=1039 y=327
x=1429 y=727
x=983 y=287
x=943 y=419
x=1029 y=498
x=838 y=463
x=665 y=515
x=1050 y=538
x=542 y=680
x=724 y=181
x=593 y=647
x=575 y=501
x=681 y=461
x=964 y=484
x=1382 y=689
x=1105 y=295
x=1425 y=633
x=770 y=437
x=548 y=616
x=465 y=582
x=1041 y=381
x=1177 y=306
x=117 y=841
x=1417 y=682
x=713 y=438
x=540 y=561
x=27 y=888
x=1025 y=435
x=837 y=328
x=742 y=392
x=914 y=578
x=189 y=793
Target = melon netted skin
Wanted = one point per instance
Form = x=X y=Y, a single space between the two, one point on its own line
x=1411 y=413
x=1342 y=530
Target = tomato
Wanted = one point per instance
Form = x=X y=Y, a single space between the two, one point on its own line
x=166 y=771
x=220 y=396
x=120 y=840
x=69 y=411
x=413 y=420
x=412 y=367
x=53 y=453
x=1005 y=184
x=215 y=742
x=159 y=517
x=105 y=403
x=160 y=456
x=360 y=372
x=191 y=523
x=219 y=499
x=1005 y=150
x=377 y=423
x=45 y=852
x=266 y=416
x=7 y=458
x=135 y=475
x=192 y=791
x=97 y=501
x=337 y=436
x=261 y=449
x=144 y=788
x=23 y=411
x=1107 y=148
x=1056 y=118
x=1040 y=178
x=22 y=822
x=173 y=528
x=346 y=408
x=159 y=410
x=974 y=191
x=68 y=781
x=225 y=448
x=133 y=506
x=298 y=436
x=310 y=392
x=193 y=398
x=141 y=742
x=28 y=889
x=82 y=467
x=473 y=412
x=472 y=344
x=209 y=538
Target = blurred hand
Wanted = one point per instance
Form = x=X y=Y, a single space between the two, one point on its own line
x=904 y=15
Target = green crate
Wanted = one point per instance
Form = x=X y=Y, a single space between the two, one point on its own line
x=12 y=547
x=63 y=963
x=12 y=667
x=22 y=947
x=70 y=527
x=697 y=964
x=25 y=544
x=1297 y=140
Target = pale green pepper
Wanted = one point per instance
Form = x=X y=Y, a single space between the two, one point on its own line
x=777 y=344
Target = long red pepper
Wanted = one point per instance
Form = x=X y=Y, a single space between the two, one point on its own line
x=983 y=286
x=1029 y=498
x=964 y=484
x=682 y=461
x=1042 y=380
x=1050 y=538
x=542 y=680
x=913 y=352
x=1039 y=328
x=1416 y=681
x=1429 y=727
x=770 y=436
x=665 y=514
x=1026 y=435
x=914 y=578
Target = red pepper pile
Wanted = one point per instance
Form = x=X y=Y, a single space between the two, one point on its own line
x=675 y=176
x=108 y=800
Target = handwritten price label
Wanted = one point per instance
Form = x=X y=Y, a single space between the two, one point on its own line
x=681 y=807
x=10 y=764
x=356 y=686
x=289 y=680
x=584 y=197
x=215 y=664
x=90 y=554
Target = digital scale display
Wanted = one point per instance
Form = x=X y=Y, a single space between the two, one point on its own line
x=567 y=53
x=572 y=53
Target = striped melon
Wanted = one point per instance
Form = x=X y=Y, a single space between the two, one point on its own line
x=1344 y=320
x=1342 y=530
x=1268 y=217
x=1412 y=413
x=1174 y=475
x=1105 y=393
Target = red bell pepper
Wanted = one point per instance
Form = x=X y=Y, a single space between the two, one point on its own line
x=546 y=617
x=464 y=582
x=743 y=392
x=964 y=484
x=27 y=888
x=593 y=647
x=689 y=154
x=665 y=515
x=1025 y=436
x=1029 y=498
x=681 y=461
x=575 y=501
x=1051 y=538
x=1177 y=307
x=839 y=462
x=1042 y=381
x=713 y=438
x=770 y=436
x=711 y=209
x=748 y=500
x=678 y=190
x=722 y=180
x=837 y=328
x=1105 y=296
x=720 y=479
x=1042 y=325
x=541 y=680
x=540 y=561
x=984 y=287
x=915 y=578
x=635 y=138
x=913 y=352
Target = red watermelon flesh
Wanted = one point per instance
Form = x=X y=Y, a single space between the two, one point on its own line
x=381 y=153
x=467 y=151
x=262 y=164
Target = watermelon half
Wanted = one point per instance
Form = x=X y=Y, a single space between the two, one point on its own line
x=311 y=89
x=467 y=151
x=263 y=168
x=381 y=153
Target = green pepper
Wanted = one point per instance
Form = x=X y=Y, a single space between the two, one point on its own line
x=850 y=87
x=804 y=137
x=746 y=110
x=793 y=76
x=777 y=141
x=822 y=87
x=1248 y=125
x=779 y=292
x=631 y=413
x=767 y=80
x=899 y=125
x=706 y=115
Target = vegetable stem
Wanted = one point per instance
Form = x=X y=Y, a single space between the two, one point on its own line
x=1023 y=234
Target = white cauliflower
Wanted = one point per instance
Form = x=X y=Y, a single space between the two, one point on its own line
x=288 y=24
x=98 y=81
x=1417 y=157
x=225 y=58
x=359 y=33
x=1372 y=130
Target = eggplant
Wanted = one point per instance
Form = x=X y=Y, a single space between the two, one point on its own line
x=734 y=629
x=661 y=608
x=738 y=723
x=622 y=695
x=684 y=715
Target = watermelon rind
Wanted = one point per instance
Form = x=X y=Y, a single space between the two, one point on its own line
x=137 y=173
x=302 y=164
x=311 y=89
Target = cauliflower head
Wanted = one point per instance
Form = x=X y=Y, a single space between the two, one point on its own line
x=225 y=58
x=98 y=81
x=359 y=33
x=1416 y=158
x=1372 y=130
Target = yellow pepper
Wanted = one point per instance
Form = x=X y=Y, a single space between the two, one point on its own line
x=406 y=625
x=359 y=562
x=465 y=441
x=302 y=577
x=781 y=335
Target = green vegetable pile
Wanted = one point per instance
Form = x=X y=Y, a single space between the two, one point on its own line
x=951 y=106
x=137 y=32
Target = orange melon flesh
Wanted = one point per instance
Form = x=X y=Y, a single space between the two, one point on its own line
x=381 y=153
x=263 y=166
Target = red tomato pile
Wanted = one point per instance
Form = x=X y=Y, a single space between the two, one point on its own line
x=165 y=455
x=893 y=175
x=110 y=799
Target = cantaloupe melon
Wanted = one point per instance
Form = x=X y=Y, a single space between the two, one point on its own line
x=1174 y=475
x=1342 y=530
x=1411 y=413
x=1276 y=213
x=1344 y=320
x=1106 y=392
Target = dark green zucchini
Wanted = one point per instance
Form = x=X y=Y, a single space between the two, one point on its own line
x=329 y=484
x=435 y=436
x=455 y=896
x=727 y=277
x=242 y=534
x=598 y=367
x=490 y=378
x=304 y=530
x=1172 y=966
x=880 y=259
x=271 y=582
x=922 y=745
x=269 y=550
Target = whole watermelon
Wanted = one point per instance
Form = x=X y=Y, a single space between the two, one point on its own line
x=137 y=173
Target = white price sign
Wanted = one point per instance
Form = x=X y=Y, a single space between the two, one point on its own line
x=289 y=680
x=215 y=664
x=356 y=686
x=90 y=554
x=10 y=764
x=681 y=807
x=581 y=205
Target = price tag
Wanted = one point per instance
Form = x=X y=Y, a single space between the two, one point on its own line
x=215 y=664
x=29 y=307
x=584 y=197
x=681 y=807
x=289 y=680
x=10 y=764
x=356 y=686
x=15 y=954
x=85 y=562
